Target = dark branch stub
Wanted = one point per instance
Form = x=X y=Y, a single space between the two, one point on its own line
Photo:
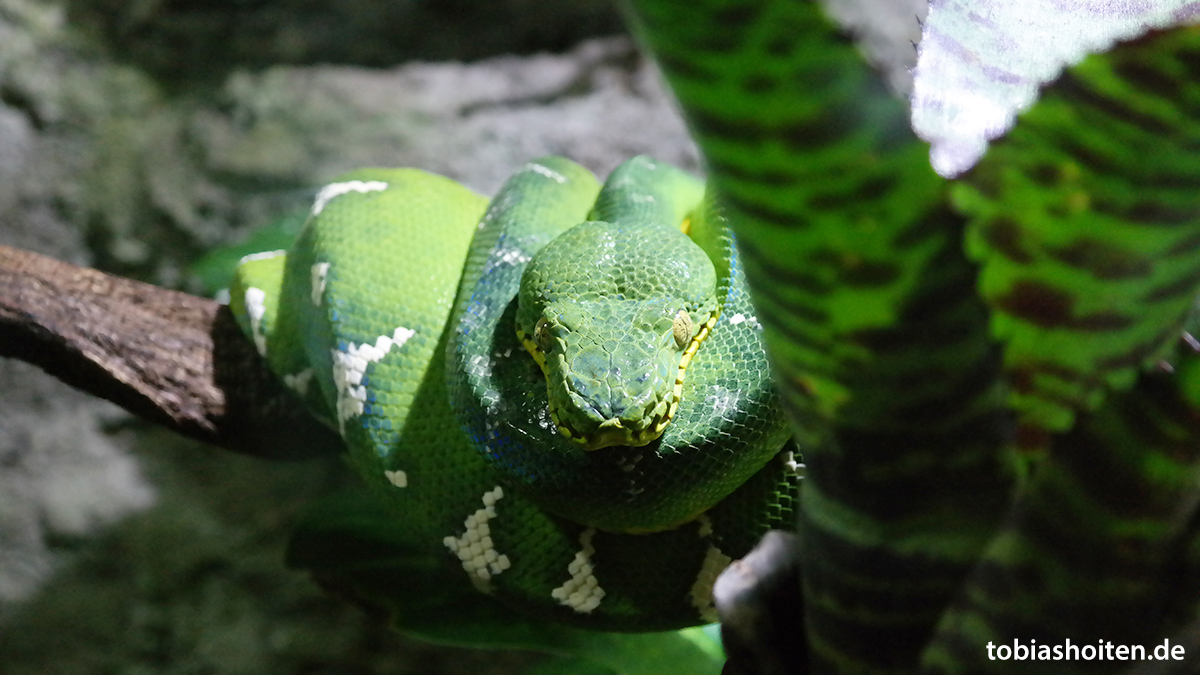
x=761 y=609
x=173 y=358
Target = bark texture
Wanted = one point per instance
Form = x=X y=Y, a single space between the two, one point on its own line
x=172 y=358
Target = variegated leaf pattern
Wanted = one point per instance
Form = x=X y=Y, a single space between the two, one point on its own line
x=1086 y=222
x=903 y=363
x=1099 y=546
x=877 y=336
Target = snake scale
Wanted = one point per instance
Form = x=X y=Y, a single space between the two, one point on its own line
x=563 y=391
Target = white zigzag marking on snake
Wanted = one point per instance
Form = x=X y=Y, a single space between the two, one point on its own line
x=329 y=192
x=722 y=400
x=318 y=272
x=792 y=466
x=475 y=548
x=299 y=381
x=350 y=366
x=714 y=563
x=256 y=308
x=265 y=255
x=582 y=591
x=512 y=256
x=547 y=172
x=749 y=320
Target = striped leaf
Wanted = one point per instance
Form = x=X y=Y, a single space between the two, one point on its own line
x=878 y=339
x=1086 y=221
x=1094 y=548
x=831 y=193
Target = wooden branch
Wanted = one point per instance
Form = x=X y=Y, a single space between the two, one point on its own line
x=173 y=358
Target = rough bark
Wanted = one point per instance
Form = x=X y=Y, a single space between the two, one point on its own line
x=173 y=358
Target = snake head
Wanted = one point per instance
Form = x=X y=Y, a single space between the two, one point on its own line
x=612 y=313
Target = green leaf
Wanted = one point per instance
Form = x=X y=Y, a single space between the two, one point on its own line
x=877 y=339
x=1094 y=542
x=1086 y=220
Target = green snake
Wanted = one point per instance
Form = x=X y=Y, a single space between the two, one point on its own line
x=563 y=391
x=914 y=368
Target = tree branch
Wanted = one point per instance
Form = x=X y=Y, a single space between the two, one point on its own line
x=172 y=358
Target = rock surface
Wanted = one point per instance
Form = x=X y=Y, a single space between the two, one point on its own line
x=122 y=547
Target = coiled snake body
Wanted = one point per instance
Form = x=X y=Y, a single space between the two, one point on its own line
x=563 y=391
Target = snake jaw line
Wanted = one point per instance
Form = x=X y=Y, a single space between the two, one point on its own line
x=612 y=432
x=540 y=358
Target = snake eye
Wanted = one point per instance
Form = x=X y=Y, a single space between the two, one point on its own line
x=682 y=328
x=542 y=336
